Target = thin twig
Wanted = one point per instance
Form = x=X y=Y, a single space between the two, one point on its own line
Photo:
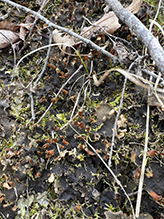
x=47 y=57
x=115 y=123
x=153 y=21
x=110 y=36
x=154 y=75
x=119 y=110
x=3 y=215
x=40 y=76
x=139 y=196
x=36 y=18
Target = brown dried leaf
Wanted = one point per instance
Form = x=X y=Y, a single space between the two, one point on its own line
x=4 y=42
x=22 y=33
x=155 y=196
x=133 y=157
x=5 y=25
x=10 y=30
x=134 y=7
x=109 y=21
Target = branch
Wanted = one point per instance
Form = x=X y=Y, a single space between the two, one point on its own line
x=151 y=43
x=50 y=24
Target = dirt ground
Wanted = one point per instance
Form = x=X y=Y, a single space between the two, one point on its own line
x=47 y=167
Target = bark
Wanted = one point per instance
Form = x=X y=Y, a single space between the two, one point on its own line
x=143 y=34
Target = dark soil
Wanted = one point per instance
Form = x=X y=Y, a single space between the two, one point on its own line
x=47 y=168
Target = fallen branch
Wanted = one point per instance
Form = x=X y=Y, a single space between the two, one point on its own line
x=143 y=34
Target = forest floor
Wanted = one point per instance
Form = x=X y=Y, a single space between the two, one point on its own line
x=48 y=168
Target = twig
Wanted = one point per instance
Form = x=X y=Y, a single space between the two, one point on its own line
x=40 y=76
x=36 y=18
x=57 y=145
x=47 y=57
x=115 y=123
x=50 y=24
x=154 y=75
x=139 y=81
x=118 y=113
x=154 y=20
x=85 y=95
x=3 y=215
x=159 y=26
x=110 y=36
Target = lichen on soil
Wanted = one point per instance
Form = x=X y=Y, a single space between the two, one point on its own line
x=47 y=170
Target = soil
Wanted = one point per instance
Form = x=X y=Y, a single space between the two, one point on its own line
x=47 y=168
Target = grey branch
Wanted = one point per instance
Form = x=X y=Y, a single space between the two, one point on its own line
x=151 y=43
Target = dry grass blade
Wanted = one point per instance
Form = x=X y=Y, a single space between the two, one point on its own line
x=139 y=81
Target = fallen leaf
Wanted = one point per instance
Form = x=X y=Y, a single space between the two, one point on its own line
x=7 y=36
x=62 y=38
x=109 y=21
x=155 y=196
x=11 y=33
x=6 y=25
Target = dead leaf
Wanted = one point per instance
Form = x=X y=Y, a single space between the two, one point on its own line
x=59 y=37
x=109 y=21
x=133 y=157
x=134 y=7
x=155 y=196
x=6 y=36
x=12 y=32
x=6 y=25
